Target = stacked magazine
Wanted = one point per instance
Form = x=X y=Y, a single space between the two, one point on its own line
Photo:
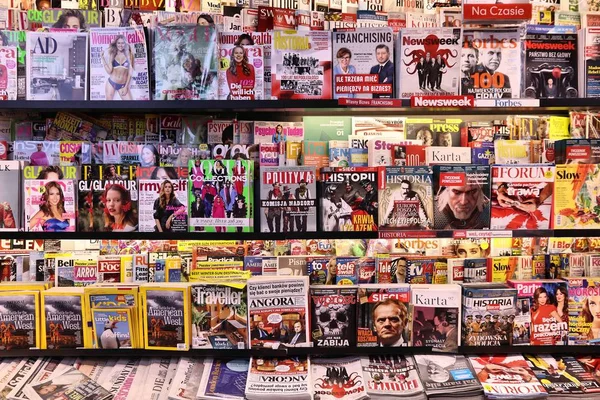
x=392 y=377
x=278 y=378
x=336 y=378
x=448 y=377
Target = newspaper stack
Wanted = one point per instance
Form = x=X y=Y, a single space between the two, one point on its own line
x=186 y=381
x=565 y=377
x=392 y=377
x=223 y=379
x=507 y=377
x=283 y=378
x=67 y=383
x=336 y=378
x=448 y=377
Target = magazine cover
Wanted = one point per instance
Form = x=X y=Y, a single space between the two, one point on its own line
x=221 y=195
x=8 y=67
x=63 y=18
x=406 y=198
x=564 y=376
x=10 y=201
x=271 y=376
x=488 y=314
x=185 y=62
x=334 y=378
x=333 y=316
x=428 y=62
x=436 y=316
x=18 y=39
x=522 y=197
x=278 y=132
x=63 y=320
x=223 y=379
x=19 y=313
x=163 y=205
x=113 y=328
x=166 y=317
x=108 y=198
x=551 y=67
x=49 y=205
x=583 y=294
x=491 y=63
x=301 y=65
x=36 y=152
x=364 y=63
x=350 y=199
x=219 y=318
x=392 y=375
x=179 y=155
x=576 y=196
x=383 y=315
x=57 y=65
x=241 y=72
x=278 y=312
x=118 y=64
x=590 y=61
x=507 y=374
x=440 y=132
x=461 y=197
x=288 y=199
x=542 y=312
x=446 y=374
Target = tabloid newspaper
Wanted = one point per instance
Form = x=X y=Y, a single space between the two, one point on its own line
x=406 y=198
x=450 y=375
x=301 y=65
x=57 y=65
x=333 y=316
x=381 y=301
x=272 y=377
x=185 y=62
x=69 y=384
x=432 y=305
x=163 y=205
x=241 y=72
x=276 y=308
x=364 y=63
x=334 y=378
x=488 y=314
x=522 y=197
x=220 y=195
x=8 y=67
x=432 y=55
x=288 y=199
x=551 y=66
x=219 y=316
x=49 y=205
x=388 y=376
x=507 y=377
x=590 y=61
x=118 y=64
x=491 y=61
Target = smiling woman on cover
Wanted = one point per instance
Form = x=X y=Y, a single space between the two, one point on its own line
x=166 y=208
x=240 y=75
x=52 y=207
x=119 y=67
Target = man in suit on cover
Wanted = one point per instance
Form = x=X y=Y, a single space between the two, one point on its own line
x=296 y=337
x=259 y=332
x=384 y=68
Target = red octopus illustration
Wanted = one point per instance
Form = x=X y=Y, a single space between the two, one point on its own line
x=338 y=381
x=431 y=47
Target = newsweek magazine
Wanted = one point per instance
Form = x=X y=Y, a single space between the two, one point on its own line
x=502 y=376
x=163 y=205
x=429 y=62
x=221 y=195
x=392 y=375
x=118 y=64
x=522 y=197
x=301 y=65
x=364 y=63
x=406 y=198
x=448 y=376
x=241 y=72
x=49 y=205
x=8 y=67
x=288 y=197
x=335 y=378
x=278 y=312
x=274 y=376
x=185 y=62
x=551 y=66
x=57 y=65
x=491 y=63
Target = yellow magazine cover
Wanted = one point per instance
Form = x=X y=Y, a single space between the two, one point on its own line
x=127 y=268
x=40 y=286
x=576 y=196
x=114 y=328
x=173 y=269
x=113 y=296
x=20 y=320
x=62 y=325
x=502 y=269
x=166 y=316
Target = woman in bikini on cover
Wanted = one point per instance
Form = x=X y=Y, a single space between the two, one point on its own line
x=119 y=67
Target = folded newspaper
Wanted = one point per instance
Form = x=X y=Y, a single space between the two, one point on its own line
x=67 y=384
x=277 y=378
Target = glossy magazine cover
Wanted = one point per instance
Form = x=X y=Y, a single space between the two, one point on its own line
x=50 y=205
